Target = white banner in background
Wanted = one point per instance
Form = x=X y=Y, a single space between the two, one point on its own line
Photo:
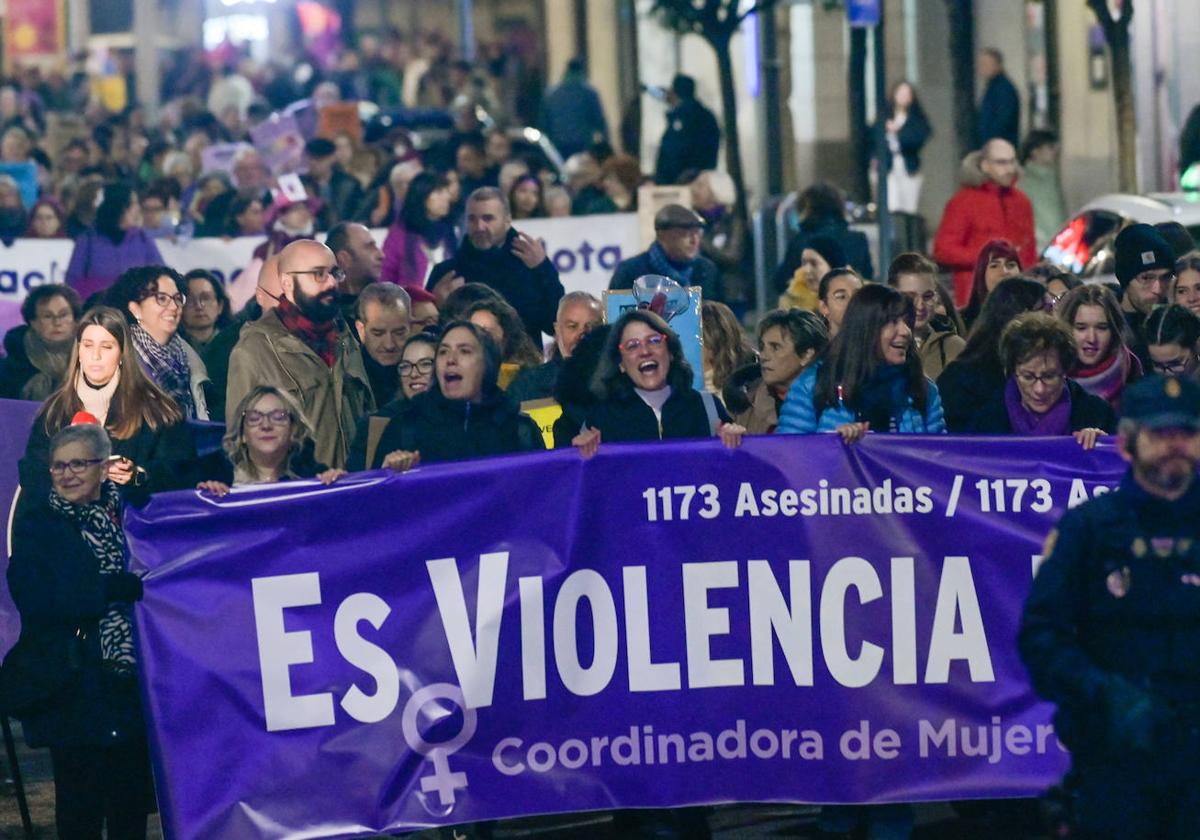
x=585 y=250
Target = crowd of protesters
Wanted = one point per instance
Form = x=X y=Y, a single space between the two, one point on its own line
x=345 y=355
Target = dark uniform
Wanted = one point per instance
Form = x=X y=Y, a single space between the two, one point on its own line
x=1111 y=633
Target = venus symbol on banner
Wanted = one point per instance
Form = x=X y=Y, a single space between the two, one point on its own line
x=443 y=780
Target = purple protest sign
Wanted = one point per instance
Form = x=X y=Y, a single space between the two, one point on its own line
x=663 y=625
x=280 y=143
x=16 y=418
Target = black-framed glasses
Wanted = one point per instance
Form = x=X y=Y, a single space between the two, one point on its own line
x=1047 y=379
x=76 y=466
x=1175 y=366
x=334 y=272
x=1148 y=278
x=164 y=300
x=277 y=417
x=424 y=367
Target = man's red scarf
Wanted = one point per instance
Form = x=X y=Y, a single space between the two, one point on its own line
x=321 y=338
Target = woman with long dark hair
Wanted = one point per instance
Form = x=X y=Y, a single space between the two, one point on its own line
x=972 y=379
x=526 y=198
x=115 y=243
x=105 y=379
x=870 y=378
x=907 y=130
x=997 y=260
x=422 y=236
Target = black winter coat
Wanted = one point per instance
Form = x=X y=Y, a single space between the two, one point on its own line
x=912 y=137
x=56 y=584
x=1087 y=412
x=705 y=274
x=999 y=112
x=15 y=368
x=533 y=292
x=854 y=243
x=536 y=383
x=1114 y=597
x=965 y=386
x=625 y=417
x=691 y=142
x=454 y=430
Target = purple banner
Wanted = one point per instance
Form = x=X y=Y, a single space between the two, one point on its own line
x=663 y=625
x=16 y=418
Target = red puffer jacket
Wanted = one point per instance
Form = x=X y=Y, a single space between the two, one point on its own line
x=980 y=211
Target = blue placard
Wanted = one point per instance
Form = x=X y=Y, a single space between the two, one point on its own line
x=686 y=324
x=863 y=13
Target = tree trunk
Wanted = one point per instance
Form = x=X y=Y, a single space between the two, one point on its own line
x=962 y=71
x=733 y=146
x=1122 y=79
x=860 y=136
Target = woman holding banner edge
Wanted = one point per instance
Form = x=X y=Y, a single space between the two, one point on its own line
x=870 y=379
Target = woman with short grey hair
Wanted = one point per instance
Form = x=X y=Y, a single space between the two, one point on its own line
x=72 y=677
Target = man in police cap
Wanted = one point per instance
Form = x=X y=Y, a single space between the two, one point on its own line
x=675 y=253
x=1111 y=630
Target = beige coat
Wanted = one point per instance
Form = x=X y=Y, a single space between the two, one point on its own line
x=761 y=417
x=332 y=399
x=939 y=350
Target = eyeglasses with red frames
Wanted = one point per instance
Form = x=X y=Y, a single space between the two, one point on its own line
x=635 y=344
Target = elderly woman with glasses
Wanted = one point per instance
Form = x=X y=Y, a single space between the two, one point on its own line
x=72 y=677
x=271 y=441
x=1039 y=399
x=152 y=299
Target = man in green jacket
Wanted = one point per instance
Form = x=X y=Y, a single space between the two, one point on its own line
x=305 y=348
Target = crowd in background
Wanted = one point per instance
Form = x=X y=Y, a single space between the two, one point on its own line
x=349 y=355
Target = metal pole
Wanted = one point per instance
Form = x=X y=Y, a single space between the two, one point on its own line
x=10 y=747
x=881 y=150
x=466 y=28
x=769 y=64
x=145 y=55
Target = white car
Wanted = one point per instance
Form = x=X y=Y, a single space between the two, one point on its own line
x=1085 y=245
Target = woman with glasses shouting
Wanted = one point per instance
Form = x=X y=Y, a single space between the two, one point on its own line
x=1039 y=399
x=152 y=449
x=271 y=441
x=152 y=299
x=643 y=386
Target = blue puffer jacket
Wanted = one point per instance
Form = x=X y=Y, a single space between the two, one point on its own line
x=799 y=416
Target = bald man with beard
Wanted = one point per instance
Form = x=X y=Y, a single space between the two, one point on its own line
x=303 y=346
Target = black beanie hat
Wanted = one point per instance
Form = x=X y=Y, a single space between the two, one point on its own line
x=1141 y=248
x=829 y=249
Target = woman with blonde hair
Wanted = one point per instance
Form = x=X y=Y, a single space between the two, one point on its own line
x=271 y=440
x=725 y=347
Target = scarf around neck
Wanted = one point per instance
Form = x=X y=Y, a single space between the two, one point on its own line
x=96 y=400
x=167 y=364
x=321 y=338
x=50 y=359
x=1106 y=379
x=99 y=524
x=883 y=398
x=663 y=265
x=1056 y=421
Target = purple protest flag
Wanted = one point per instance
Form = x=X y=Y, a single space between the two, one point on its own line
x=662 y=625
x=16 y=418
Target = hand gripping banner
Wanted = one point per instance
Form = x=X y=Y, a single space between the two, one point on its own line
x=663 y=625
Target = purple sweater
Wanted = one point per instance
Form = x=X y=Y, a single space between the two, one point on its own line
x=96 y=262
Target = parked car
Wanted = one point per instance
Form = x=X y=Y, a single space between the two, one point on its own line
x=1085 y=245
